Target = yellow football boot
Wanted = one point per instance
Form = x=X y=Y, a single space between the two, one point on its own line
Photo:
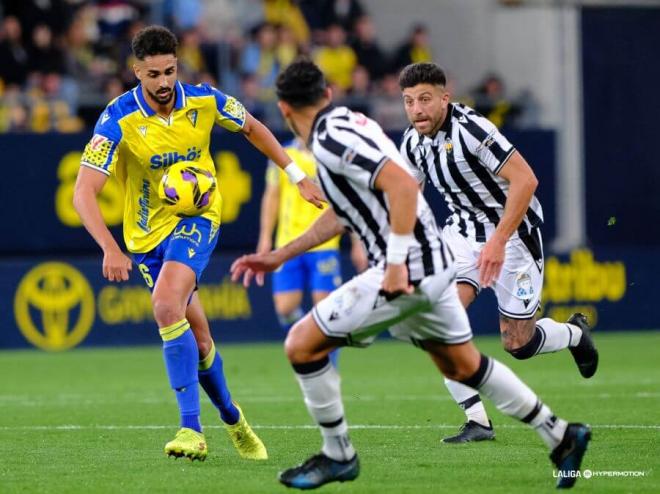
x=246 y=442
x=188 y=443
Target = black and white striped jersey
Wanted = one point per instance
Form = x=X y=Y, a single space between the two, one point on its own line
x=350 y=150
x=463 y=161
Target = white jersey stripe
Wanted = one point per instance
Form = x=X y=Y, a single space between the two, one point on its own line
x=463 y=161
x=351 y=149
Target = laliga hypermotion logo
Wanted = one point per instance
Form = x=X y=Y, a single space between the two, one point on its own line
x=54 y=306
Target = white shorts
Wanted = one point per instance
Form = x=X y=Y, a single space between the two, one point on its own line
x=356 y=312
x=518 y=289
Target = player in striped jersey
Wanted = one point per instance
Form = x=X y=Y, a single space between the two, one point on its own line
x=409 y=287
x=493 y=230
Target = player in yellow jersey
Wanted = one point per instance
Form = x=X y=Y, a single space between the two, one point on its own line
x=138 y=136
x=318 y=269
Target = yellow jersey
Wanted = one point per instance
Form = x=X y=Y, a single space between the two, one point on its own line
x=295 y=214
x=137 y=145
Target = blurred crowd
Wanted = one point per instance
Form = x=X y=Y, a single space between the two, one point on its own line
x=61 y=61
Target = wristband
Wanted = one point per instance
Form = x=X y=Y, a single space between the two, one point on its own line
x=397 y=247
x=294 y=173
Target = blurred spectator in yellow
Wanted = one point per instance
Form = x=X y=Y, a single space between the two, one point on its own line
x=287 y=13
x=415 y=49
x=287 y=47
x=369 y=53
x=336 y=59
x=190 y=56
x=13 y=111
x=259 y=58
x=89 y=69
x=14 y=57
x=489 y=100
x=49 y=111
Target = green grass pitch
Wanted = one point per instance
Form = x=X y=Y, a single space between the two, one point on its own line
x=96 y=420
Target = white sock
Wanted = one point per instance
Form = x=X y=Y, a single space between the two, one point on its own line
x=469 y=401
x=557 y=335
x=514 y=398
x=549 y=427
x=321 y=389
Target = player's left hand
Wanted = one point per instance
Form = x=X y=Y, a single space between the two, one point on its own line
x=254 y=266
x=491 y=260
x=311 y=192
x=395 y=281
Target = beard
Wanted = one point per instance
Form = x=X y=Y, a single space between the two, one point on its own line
x=162 y=99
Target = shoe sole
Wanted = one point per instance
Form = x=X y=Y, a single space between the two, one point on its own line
x=310 y=487
x=182 y=454
x=345 y=477
x=581 y=443
x=449 y=440
x=253 y=458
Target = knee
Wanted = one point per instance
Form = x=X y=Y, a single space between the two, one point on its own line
x=460 y=373
x=517 y=337
x=523 y=349
x=166 y=310
x=295 y=351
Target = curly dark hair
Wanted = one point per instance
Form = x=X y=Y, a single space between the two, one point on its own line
x=422 y=73
x=301 y=84
x=154 y=40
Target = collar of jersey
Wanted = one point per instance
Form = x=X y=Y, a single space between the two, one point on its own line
x=179 y=99
x=445 y=128
x=317 y=119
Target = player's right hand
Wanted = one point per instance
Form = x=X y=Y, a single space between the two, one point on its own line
x=254 y=265
x=116 y=265
x=311 y=192
x=395 y=281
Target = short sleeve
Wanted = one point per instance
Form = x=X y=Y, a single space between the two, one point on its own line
x=484 y=140
x=230 y=113
x=101 y=152
x=409 y=160
x=357 y=157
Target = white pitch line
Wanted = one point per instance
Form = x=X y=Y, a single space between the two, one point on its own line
x=72 y=427
x=86 y=400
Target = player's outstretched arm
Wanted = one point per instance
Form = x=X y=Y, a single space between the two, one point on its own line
x=522 y=184
x=89 y=183
x=263 y=139
x=251 y=266
x=401 y=190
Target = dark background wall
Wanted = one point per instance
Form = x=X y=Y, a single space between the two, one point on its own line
x=621 y=70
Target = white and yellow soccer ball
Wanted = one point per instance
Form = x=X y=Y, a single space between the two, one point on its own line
x=187 y=190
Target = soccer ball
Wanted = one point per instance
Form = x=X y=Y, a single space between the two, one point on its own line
x=187 y=190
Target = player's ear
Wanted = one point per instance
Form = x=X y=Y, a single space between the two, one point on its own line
x=445 y=95
x=136 y=71
x=328 y=93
